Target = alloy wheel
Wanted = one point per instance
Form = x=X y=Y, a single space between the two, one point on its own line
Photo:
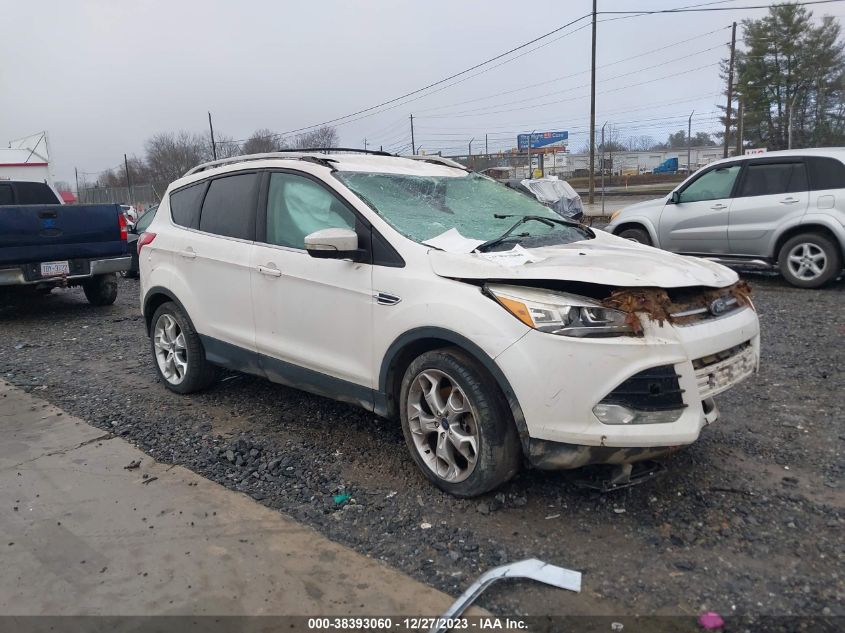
x=171 y=350
x=807 y=261
x=444 y=425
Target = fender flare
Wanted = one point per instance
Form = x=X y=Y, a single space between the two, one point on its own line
x=458 y=340
x=148 y=313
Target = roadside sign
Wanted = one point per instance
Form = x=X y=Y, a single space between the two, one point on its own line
x=755 y=150
x=543 y=140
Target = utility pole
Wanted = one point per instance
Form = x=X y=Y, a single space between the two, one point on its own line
x=602 y=167
x=530 y=166
x=76 y=173
x=486 y=148
x=591 y=198
x=128 y=180
x=730 y=91
x=213 y=144
x=689 y=143
x=739 y=126
x=365 y=145
x=413 y=151
x=470 y=145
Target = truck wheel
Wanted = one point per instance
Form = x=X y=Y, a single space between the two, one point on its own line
x=457 y=424
x=178 y=354
x=640 y=236
x=101 y=290
x=810 y=260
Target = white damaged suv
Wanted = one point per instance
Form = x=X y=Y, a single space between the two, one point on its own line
x=495 y=331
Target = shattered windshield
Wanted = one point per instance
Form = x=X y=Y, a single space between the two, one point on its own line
x=424 y=207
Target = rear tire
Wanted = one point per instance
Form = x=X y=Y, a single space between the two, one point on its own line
x=457 y=424
x=101 y=290
x=810 y=260
x=178 y=354
x=640 y=236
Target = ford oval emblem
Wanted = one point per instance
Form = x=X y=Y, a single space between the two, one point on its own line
x=717 y=307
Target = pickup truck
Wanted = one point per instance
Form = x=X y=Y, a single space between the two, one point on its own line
x=45 y=244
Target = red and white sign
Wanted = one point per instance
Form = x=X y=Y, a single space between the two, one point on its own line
x=755 y=151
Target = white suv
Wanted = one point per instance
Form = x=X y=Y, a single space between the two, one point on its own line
x=497 y=332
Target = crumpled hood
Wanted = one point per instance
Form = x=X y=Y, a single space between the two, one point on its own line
x=607 y=260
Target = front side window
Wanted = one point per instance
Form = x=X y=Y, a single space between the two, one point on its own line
x=185 y=205
x=229 y=206
x=423 y=207
x=297 y=206
x=716 y=184
x=773 y=179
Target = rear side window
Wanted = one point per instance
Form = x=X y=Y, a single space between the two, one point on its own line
x=825 y=173
x=229 y=207
x=35 y=193
x=772 y=179
x=6 y=196
x=185 y=205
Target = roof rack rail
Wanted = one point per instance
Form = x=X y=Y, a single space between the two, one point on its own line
x=333 y=150
x=281 y=153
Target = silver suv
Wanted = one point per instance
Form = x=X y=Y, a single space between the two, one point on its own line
x=782 y=209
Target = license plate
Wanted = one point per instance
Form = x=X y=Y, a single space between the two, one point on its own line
x=55 y=269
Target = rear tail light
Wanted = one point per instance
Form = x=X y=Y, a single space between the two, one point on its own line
x=144 y=239
x=121 y=222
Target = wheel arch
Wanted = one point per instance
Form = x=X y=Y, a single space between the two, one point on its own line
x=411 y=344
x=155 y=297
x=637 y=223
x=811 y=227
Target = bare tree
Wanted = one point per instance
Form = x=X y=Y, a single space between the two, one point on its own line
x=226 y=147
x=170 y=155
x=325 y=136
x=261 y=141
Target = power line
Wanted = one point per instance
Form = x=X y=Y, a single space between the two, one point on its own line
x=702 y=8
x=574 y=98
x=441 y=81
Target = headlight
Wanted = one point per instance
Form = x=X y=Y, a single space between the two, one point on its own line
x=561 y=313
x=615 y=215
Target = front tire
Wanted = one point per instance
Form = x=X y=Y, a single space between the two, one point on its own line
x=178 y=354
x=101 y=290
x=457 y=424
x=640 y=236
x=810 y=260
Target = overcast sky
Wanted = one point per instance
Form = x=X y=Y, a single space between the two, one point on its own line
x=101 y=76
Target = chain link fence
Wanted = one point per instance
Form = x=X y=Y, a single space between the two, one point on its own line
x=139 y=196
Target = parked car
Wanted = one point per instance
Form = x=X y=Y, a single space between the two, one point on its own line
x=782 y=210
x=45 y=244
x=554 y=193
x=132 y=241
x=492 y=329
x=130 y=213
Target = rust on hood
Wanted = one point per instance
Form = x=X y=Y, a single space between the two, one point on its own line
x=657 y=304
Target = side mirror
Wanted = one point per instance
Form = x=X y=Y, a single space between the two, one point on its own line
x=333 y=244
x=676 y=197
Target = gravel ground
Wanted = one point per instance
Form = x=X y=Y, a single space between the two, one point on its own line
x=749 y=520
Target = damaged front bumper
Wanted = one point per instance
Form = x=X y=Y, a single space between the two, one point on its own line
x=559 y=382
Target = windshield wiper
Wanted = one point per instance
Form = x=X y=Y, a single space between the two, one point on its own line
x=559 y=220
x=550 y=222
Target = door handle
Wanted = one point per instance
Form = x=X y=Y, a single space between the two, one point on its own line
x=270 y=272
x=719 y=207
x=789 y=201
x=188 y=254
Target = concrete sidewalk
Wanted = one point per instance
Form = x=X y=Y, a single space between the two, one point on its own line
x=83 y=536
